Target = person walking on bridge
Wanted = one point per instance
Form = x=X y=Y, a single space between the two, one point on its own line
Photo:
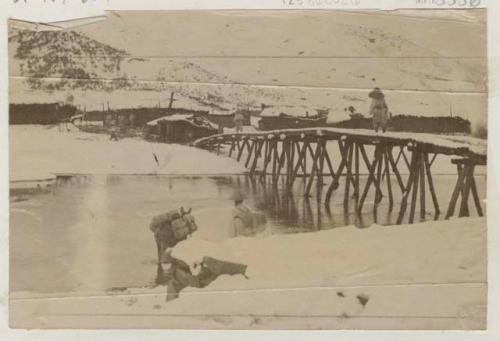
x=238 y=121
x=379 y=110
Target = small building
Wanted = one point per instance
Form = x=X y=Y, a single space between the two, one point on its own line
x=40 y=113
x=179 y=128
x=135 y=117
x=292 y=118
x=225 y=119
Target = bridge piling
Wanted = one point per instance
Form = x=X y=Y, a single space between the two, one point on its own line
x=427 y=165
x=464 y=186
x=422 y=186
x=286 y=155
x=314 y=169
x=388 y=177
x=348 y=175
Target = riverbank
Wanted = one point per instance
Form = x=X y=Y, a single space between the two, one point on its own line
x=374 y=278
x=40 y=152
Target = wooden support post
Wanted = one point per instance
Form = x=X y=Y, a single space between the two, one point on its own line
x=475 y=196
x=399 y=155
x=258 y=150
x=433 y=158
x=281 y=160
x=321 y=160
x=357 y=175
x=395 y=169
x=275 y=159
x=250 y=152
x=302 y=156
x=288 y=157
x=416 y=169
x=218 y=146
x=238 y=145
x=300 y=163
x=314 y=169
x=368 y=164
x=328 y=161
x=335 y=182
x=406 y=193
x=387 y=150
x=378 y=179
x=372 y=178
x=266 y=151
x=348 y=176
x=456 y=191
x=343 y=154
x=291 y=166
x=245 y=141
x=268 y=157
x=405 y=159
x=464 y=204
x=305 y=162
x=422 y=185
x=431 y=184
x=233 y=142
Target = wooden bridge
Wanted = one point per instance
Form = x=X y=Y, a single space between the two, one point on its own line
x=321 y=154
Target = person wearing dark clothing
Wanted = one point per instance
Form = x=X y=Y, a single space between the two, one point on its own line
x=211 y=268
x=379 y=110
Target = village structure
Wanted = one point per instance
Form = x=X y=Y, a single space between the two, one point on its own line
x=213 y=187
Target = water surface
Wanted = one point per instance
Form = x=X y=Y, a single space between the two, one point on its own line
x=92 y=233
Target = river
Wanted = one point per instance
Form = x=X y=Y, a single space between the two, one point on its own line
x=91 y=233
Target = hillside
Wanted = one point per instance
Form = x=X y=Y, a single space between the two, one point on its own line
x=253 y=58
x=62 y=55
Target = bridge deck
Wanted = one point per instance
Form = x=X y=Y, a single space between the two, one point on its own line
x=444 y=144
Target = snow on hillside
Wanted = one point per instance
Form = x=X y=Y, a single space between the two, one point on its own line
x=61 y=55
x=287 y=68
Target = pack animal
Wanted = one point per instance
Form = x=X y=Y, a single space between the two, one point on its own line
x=169 y=229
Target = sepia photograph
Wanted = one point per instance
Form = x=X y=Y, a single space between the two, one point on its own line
x=249 y=169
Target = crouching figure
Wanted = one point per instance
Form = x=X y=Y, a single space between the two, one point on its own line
x=207 y=271
x=169 y=229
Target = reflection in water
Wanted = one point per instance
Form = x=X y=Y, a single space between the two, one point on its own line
x=92 y=233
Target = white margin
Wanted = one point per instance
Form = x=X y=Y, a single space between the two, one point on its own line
x=49 y=10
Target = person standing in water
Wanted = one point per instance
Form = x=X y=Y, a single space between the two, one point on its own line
x=245 y=222
x=379 y=110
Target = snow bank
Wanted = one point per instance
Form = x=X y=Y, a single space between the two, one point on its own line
x=374 y=278
x=37 y=152
x=379 y=277
x=454 y=251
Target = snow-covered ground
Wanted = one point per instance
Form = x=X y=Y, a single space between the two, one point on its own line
x=374 y=278
x=39 y=152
